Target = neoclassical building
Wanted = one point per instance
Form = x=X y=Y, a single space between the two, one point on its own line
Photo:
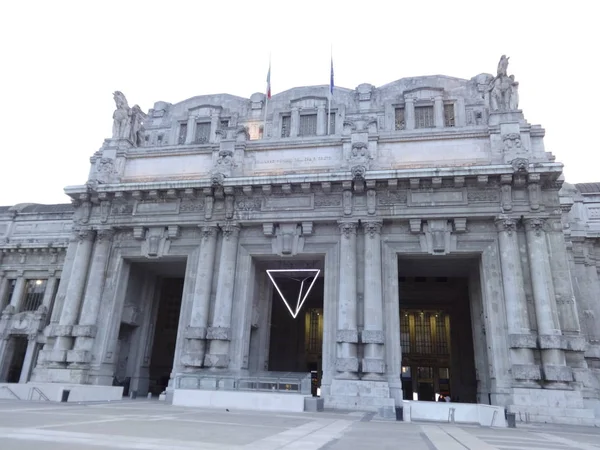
x=411 y=240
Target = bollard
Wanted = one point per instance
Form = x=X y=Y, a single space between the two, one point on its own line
x=511 y=420
x=65 y=395
x=149 y=395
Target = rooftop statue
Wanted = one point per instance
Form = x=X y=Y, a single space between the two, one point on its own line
x=121 y=119
x=504 y=95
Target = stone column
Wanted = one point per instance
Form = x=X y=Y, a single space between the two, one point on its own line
x=347 y=333
x=294 y=122
x=3 y=290
x=561 y=274
x=550 y=335
x=18 y=293
x=409 y=113
x=74 y=294
x=196 y=331
x=214 y=126
x=191 y=130
x=28 y=360
x=321 y=121
x=85 y=331
x=373 y=365
x=49 y=292
x=219 y=333
x=438 y=111
x=521 y=341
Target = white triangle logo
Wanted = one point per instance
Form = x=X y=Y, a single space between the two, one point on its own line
x=302 y=276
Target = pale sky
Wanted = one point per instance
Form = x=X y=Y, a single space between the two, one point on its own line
x=61 y=61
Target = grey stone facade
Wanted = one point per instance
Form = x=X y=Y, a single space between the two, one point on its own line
x=429 y=168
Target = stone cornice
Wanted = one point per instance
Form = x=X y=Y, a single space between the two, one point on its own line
x=550 y=170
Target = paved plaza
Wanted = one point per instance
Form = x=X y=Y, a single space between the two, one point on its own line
x=149 y=425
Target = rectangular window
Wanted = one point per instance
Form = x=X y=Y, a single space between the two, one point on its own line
x=34 y=294
x=308 y=125
x=224 y=124
x=400 y=122
x=202 y=132
x=423 y=333
x=441 y=335
x=448 y=115
x=286 y=124
x=182 y=133
x=424 y=117
x=332 y=123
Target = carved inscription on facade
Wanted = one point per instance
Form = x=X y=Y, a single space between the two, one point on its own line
x=156 y=208
x=191 y=206
x=392 y=198
x=429 y=198
x=297 y=202
x=484 y=195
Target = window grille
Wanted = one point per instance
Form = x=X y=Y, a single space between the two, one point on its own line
x=441 y=336
x=405 y=332
x=34 y=294
x=400 y=122
x=424 y=373
x=424 y=117
x=182 y=133
x=448 y=115
x=286 y=124
x=423 y=333
x=313 y=336
x=308 y=125
x=332 y=123
x=203 y=132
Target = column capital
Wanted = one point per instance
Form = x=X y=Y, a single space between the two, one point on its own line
x=372 y=227
x=208 y=231
x=105 y=235
x=85 y=235
x=507 y=224
x=347 y=229
x=231 y=229
x=536 y=225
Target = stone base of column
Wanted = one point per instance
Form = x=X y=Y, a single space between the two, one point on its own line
x=525 y=372
x=557 y=373
x=216 y=361
x=361 y=395
x=373 y=368
x=51 y=357
x=193 y=359
x=79 y=356
x=347 y=368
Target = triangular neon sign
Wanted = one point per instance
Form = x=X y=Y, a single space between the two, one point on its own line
x=305 y=275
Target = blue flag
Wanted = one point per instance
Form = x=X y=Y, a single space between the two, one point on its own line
x=331 y=78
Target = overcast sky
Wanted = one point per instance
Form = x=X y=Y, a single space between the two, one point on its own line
x=61 y=61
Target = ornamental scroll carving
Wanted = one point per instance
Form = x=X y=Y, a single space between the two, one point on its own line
x=535 y=225
x=512 y=142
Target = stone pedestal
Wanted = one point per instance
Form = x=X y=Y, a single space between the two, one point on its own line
x=372 y=337
x=219 y=333
x=346 y=363
x=196 y=332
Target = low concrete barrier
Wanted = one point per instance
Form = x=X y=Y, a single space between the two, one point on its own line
x=255 y=401
x=485 y=415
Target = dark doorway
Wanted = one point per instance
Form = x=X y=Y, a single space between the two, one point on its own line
x=296 y=344
x=165 y=337
x=19 y=344
x=436 y=333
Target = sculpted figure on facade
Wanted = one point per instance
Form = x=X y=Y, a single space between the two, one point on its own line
x=136 y=135
x=121 y=116
x=504 y=94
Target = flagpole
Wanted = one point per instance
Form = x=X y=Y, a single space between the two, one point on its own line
x=330 y=90
x=267 y=100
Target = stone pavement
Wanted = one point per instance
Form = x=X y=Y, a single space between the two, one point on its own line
x=150 y=425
